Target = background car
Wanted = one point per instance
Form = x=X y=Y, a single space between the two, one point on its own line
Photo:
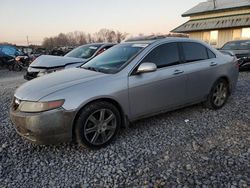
x=241 y=49
x=130 y=81
x=61 y=51
x=8 y=53
x=46 y=64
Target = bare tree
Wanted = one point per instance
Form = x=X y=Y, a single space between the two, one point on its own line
x=79 y=38
x=120 y=36
x=71 y=39
x=49 y=43
x=61 y=40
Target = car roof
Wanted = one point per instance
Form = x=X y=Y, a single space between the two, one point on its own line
x=239 y=41
x=7 y=45
x=144 y=38
x=99 y=44
x=165 y=39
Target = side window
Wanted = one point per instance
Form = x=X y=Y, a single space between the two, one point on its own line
x=211 y=55
x=194 y=51
x=164 y=55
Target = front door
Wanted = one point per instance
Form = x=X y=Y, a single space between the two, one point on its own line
x=162 y=89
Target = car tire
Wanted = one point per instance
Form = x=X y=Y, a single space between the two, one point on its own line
x=17 y=67
x=97 y=125
x=10 y=67
x=218 y=95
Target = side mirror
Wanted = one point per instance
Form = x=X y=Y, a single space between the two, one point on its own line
x=146 y=67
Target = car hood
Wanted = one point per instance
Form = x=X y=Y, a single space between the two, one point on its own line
x=49 y=61
x=38 y=88
x=239 y=52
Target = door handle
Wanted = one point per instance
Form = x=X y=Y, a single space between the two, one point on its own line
x=176 y=72
x=213 y=64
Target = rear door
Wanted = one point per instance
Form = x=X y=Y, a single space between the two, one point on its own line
x=199 y=64
x=162 y=89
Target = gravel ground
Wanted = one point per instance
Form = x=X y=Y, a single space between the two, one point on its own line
x=192 y=147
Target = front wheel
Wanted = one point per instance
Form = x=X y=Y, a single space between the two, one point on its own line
x=10 y=67
x=97 y=125
x=17 y=67
x=218 y=95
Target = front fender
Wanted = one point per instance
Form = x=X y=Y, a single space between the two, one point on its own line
x=77 y=96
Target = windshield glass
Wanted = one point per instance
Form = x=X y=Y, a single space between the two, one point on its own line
x=237 y=45
x=83 y=52
x=115 y=58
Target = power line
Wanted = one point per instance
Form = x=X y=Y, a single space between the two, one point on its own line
x=214 y=1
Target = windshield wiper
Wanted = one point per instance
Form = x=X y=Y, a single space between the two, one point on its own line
x=101 y=69
x=91 y=68
x=107 y=70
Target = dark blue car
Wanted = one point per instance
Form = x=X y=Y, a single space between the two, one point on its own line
x=7 y=53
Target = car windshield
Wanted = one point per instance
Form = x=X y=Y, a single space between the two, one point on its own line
x=83 y=52
x=237 y=45
x=115 y=58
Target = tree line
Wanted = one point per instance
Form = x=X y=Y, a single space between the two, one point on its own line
x=80 y=38
x=77 y=38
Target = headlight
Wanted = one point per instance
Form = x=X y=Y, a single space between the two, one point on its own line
x=27 y=106
x=41 y=74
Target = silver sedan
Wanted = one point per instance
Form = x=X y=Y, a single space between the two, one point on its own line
x=132 y=80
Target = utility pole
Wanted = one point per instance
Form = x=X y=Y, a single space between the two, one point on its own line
x=214 y=1
x=28 y=40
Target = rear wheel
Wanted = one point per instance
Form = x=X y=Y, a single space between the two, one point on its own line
x=218 y=95
x=97 y=125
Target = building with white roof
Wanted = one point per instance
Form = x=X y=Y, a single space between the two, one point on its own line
x=218 y=21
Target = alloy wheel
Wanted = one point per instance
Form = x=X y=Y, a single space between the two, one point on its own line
x=100 y=126
x=220 y=94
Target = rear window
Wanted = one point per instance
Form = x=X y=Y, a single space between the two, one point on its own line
x=164 y=55
x=211 y=55
x=194 y=51
x=237 y=45
x=84 y=52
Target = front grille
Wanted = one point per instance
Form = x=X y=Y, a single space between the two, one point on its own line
x=243 y=55
x=32 y=74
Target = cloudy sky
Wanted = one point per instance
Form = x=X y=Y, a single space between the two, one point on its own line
x=42 y=18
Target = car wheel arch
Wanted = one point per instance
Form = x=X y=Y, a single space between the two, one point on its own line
x=216 y=80
x=208 y=103
x=226 y=79
x=109 y=100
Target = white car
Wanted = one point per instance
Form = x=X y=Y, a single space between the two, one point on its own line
x=46 y=64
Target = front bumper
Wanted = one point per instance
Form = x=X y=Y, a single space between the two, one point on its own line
x=30 y=75
x=245 y=65
x=44 y=128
